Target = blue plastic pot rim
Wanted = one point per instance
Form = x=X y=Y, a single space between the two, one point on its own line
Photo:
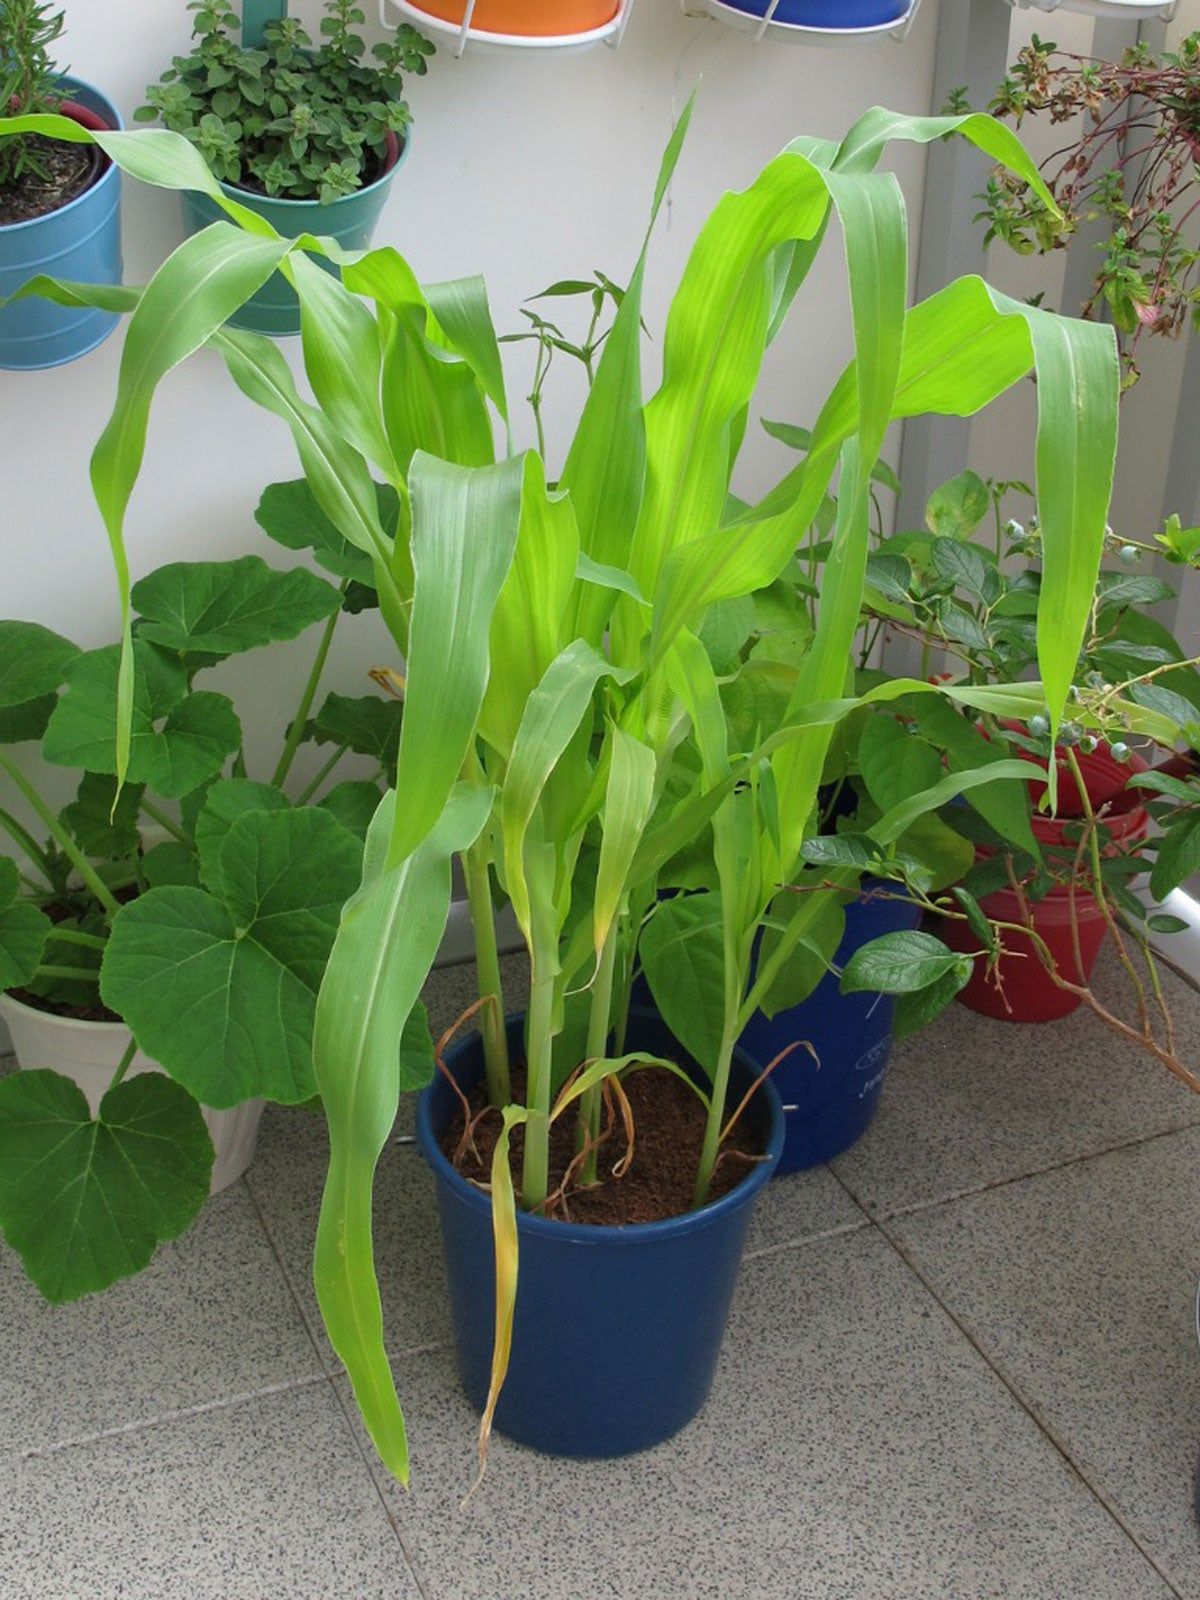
x=585 y=1233
x=251 y=197
x=108 y=175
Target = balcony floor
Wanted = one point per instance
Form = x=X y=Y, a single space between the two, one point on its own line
x=961 y=1364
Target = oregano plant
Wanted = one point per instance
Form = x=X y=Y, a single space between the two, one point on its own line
x=289 y=119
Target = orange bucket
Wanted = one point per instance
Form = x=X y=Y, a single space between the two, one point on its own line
x=532 y=18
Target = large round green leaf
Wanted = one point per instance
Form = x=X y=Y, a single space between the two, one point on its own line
x=683 y=954
x=220 y=986
x=221 y=607
x=224 y=802
x=369 y=724
x=33 y=661
x=178 y=740
x=23 y=931
x=86 y=1201
x=289 y=514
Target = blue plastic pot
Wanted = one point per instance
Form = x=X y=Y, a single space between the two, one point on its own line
x=81 y=240
x=617 y=1330
x=827 y=1109
x=849 y=14
x=350 y=220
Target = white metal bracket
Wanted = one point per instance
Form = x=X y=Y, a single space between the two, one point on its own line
x=459 y=36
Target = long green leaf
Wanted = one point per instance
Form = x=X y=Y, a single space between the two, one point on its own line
x=464 y=533
x=191 y=295
x=605 y=466
x=628 y=801
x=385 y=947
x=553 y=714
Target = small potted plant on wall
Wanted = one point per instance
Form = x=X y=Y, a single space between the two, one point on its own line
x=59 y=202
x=517 y=22
x=308 y=136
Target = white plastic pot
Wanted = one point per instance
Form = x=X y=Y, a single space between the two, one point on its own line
x=90 y=1052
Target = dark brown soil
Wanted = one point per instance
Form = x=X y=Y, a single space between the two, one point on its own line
x=69 y=169
x=668 y=1124
x=56 y=1008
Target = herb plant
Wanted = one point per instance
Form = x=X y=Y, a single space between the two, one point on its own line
x=1133 y=167
x=288 y=119
x=28 y=78
x=564 y=731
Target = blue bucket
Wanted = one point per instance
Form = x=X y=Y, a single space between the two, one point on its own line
x=81 y=241
x=617 y=1330
x=827 y=1109
x=847 y=14
x=351 y=220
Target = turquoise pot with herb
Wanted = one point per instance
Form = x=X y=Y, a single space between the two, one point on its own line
x=351 y=220
x=80 y=240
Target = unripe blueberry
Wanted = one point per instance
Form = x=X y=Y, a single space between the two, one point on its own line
x=1087 y=744
x=1039 y=726
x=1119 y=751
x=1130 y=553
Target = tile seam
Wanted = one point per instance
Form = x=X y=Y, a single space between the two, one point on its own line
x=1011 y=1388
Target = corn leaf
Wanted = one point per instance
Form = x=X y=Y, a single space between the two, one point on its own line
x=389 y=934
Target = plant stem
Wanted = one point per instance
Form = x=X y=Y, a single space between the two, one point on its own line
x=62 y=838
x=89 y=941
x=307 y=793
x=71 y=974
x=535 y=1171
x=477 y=873
x=123 y=1065
x=716 y=1117
x=296 y=732
x=165 y=821
x=599 y=1025
x=26 y=840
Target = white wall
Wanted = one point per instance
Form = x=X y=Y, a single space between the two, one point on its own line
x=526 y=170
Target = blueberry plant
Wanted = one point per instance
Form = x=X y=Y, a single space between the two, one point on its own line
x=289 y=119
x=1133 y=168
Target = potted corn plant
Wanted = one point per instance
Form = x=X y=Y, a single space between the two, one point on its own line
x=564 y=735
x=308 y=137
x=161 y=947
x=59 y=203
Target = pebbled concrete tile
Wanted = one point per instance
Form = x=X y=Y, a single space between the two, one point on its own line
x=855 y=1445
x=1080 y=1287
x=800 y=1206
x=265 y=1500
x=211 y=1318
x=970 y=1102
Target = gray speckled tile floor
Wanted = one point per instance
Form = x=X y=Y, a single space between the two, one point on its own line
x=960 y=1367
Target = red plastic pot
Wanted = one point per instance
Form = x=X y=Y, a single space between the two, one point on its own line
x=1030 y=992
x=1026 y=992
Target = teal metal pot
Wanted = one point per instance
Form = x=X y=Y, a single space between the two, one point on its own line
x=351 y=220
x=80 y=241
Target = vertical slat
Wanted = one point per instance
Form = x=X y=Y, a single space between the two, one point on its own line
x=255 y=16
x=972 y=53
